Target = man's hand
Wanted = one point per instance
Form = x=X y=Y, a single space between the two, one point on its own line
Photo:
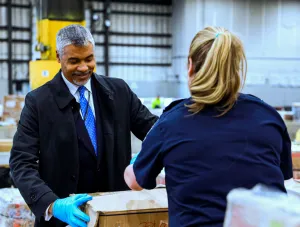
x=67 y=210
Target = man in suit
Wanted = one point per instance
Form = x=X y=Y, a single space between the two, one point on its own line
x=74 y=134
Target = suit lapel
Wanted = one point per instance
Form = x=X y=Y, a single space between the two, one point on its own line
x=97 y=106
x=62 y=95
x=105 y=99
x=65 y=102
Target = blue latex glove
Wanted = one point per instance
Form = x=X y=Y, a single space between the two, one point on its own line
x=134 y=158
x=67 y=210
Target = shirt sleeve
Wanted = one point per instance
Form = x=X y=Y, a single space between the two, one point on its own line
x=286 y=157
x=47 y=215
x=149 y=162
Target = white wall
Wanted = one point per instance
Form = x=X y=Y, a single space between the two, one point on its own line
x=269 y=29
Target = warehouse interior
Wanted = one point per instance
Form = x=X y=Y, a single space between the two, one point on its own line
x=146 y=44
x=163 y=31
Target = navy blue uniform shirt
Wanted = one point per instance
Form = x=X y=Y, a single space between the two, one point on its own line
x=207 y=156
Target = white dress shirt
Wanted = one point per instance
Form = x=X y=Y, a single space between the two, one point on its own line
x=88 y=92
x=74 y=91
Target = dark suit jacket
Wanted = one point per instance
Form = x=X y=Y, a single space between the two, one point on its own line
x=44 y=158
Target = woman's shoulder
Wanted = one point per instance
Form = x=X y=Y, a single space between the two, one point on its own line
x=172 y=115
x=258 y=104
x=252 y=99
x=173 y=111
x=175 y=104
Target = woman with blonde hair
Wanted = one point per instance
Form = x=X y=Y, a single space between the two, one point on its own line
x=214 y=141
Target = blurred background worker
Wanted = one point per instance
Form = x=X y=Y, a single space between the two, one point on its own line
x=73 y=132
x=156 y=103
x=214 y=141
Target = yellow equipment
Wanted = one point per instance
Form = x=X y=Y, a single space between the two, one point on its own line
x=297 y=139
x=54 y=15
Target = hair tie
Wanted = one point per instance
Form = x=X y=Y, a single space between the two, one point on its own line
x=217 y=35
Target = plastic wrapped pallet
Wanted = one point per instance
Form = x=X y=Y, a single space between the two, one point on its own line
x=261 y=207
x=292 y=187
x=13 y=209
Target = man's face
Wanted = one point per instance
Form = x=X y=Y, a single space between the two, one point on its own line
x=77 y=63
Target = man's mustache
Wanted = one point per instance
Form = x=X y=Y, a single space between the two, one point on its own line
x=81 y=73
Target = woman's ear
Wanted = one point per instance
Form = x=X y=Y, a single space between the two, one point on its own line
x=190 y=68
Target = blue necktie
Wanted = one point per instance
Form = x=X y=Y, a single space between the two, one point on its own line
x=88 y=117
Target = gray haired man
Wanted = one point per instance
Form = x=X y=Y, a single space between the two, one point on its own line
x=74 y=134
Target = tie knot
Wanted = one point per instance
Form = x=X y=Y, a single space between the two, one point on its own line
x=81 y=90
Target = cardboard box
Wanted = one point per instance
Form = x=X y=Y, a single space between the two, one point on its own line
x=5 y=145
x=5 y=148
x=296 y=160
x=12 y=107
x=147 y=208
x=296 y=165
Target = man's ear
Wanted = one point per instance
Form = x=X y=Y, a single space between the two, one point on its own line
x=190 y=68
x=57 y=57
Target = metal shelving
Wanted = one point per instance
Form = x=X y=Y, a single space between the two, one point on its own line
x=138 y=37
x=134 y=43
x=15 y=40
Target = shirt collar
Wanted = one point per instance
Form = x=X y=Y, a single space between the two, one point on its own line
x=73 y=88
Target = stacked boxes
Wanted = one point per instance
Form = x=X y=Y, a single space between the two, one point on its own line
x=296 y=160
x=12 y=107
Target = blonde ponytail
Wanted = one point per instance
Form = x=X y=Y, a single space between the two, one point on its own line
x=220 y=66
